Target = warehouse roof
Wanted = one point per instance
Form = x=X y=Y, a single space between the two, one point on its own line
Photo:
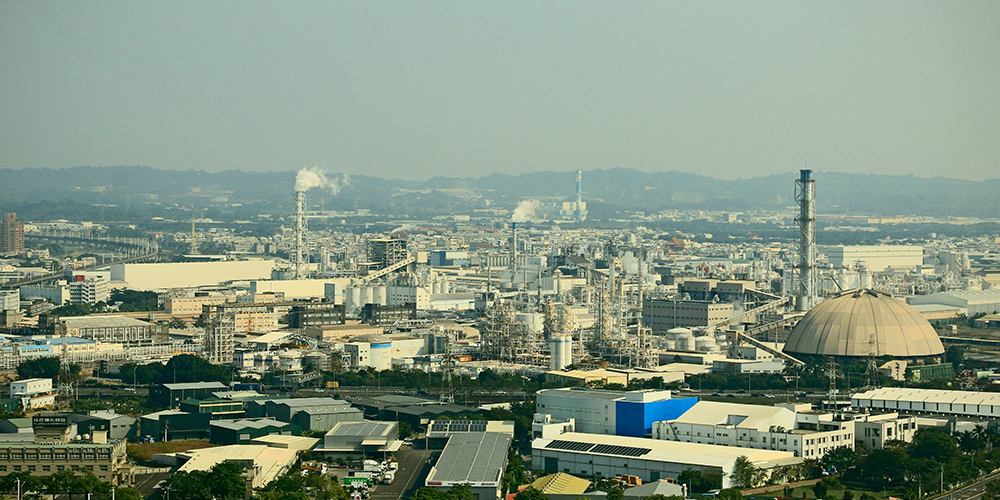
x=742 y=416
x=195 y=385
x=706 y=455
x=930 y=396
x=100 y=321
x=237 y=425
x=471 y=458
x=364 y=429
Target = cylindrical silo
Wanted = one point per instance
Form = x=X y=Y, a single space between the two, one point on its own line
x=381 y=352
x=562 y=352
x=705 y=344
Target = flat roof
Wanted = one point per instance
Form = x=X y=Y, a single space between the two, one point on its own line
x=583 y=393
x=743 y=416
x=195 y=385
x=930 y=396
x=272 y=461
x=708 y=455
x=100 y=321
x=471 y=458
x=299 y=402
x=364 y=429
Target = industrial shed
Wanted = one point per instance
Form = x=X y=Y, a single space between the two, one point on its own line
x=959 y=403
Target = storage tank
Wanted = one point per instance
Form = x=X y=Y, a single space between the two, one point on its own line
x=436 y=287
x=352 y=298
x=674 y=333
x=669 y=344
x=685 y=342
x=562 y=352
x=290 y=360
x=367 y=295
x=381 y=352
x=317 y=359
x=534 y=321
x=379 y=294
x=705 y=344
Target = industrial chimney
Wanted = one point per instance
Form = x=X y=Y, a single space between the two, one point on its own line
x=805 y=195
x=299 y=257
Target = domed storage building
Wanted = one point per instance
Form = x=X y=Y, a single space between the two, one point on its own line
x=841 y=326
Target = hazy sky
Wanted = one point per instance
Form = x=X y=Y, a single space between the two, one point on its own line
x=414 y=89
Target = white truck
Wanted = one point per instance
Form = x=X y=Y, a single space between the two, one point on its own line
x=388 y=477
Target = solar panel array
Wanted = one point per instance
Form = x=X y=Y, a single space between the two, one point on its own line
x=459 y=426
x=569 y=445
x=627 y=451
x=603 y=449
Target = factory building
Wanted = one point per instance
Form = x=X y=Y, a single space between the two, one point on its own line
x=649 y=459
x=124 y=330
x=167 y=275
x=621 y=413
x=261 y=464
x=58 y=447
x=360 y=439
x=968 y=404
x=473 y=453
x=783 y=427
x=974 y=302
x=10 y=300
x=89 y=291
x=193 y=306
x=661 y=315
x=33 y=393
x=316 y=314
x=228 y=432
x=386 y=252
x=171 y=395
x=875 y=257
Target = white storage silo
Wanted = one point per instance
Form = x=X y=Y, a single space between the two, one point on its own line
x=705 y=344
x=381 y=352
x=562 y=352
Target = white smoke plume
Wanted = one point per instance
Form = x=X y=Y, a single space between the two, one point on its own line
x=630 y=264
x=309 y=178
x=525 y=210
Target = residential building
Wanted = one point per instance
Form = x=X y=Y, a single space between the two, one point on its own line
x=89 y=291
x=11 y=234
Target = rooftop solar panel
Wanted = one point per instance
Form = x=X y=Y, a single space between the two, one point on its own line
x=569 y=445
x=628 y=451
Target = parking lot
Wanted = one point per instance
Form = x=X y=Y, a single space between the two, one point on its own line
x=413 y=468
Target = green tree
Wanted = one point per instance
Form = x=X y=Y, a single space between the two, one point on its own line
x=700 y=481
x=820 y=489
x=731 y=494
x=531 y=493
x=616 y=494
x=840 y=458
x=745 y=474
x=177 y=323
x=45 y=367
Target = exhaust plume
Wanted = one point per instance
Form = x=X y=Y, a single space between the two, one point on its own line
x=525 y=210
x=314 y=177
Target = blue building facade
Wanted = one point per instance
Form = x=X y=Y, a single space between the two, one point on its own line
x=635 y=418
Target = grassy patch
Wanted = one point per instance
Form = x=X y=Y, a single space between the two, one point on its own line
x=143 y=452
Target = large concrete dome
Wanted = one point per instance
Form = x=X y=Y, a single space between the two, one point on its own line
x=842 y=326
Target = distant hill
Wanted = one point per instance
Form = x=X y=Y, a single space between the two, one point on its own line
x=606 y=190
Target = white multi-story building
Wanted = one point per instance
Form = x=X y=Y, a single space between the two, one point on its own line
x=401 y=295
x=783 y=427
x=89 y=291
x=10 y=300
x=33 y=392
x=873 y=430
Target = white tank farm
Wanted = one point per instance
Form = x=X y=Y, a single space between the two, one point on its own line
x=685 y=342
x=352 y=298
x=317 y=359
x=562 y=352
x=379 y=294
x=669 y=344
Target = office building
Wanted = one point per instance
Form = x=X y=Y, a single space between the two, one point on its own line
x=57 y=447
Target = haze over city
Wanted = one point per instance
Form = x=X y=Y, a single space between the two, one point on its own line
x=414 y=90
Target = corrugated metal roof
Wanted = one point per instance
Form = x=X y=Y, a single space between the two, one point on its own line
x=472 y=457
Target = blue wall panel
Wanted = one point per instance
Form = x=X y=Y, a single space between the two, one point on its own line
x=636 y=419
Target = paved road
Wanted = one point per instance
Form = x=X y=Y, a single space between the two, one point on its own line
x=146 y=483
x=413 y=468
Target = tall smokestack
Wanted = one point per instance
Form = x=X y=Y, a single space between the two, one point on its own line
x=300 y=202
x=579 y=196
x=805 y=195
x=513 y=259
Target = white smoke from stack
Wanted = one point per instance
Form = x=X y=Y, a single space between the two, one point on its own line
x=314 y=177
x=525 y=210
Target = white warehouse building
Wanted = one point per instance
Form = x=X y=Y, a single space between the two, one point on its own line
x=959 y=403
x=875 y=257
x=650 y=459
